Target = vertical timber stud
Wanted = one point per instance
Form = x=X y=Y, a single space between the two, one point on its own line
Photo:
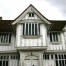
x=37 y=29
x=25 y=29
x=28 y=28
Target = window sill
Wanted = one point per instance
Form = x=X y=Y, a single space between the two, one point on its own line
x=55 y=42
x=31 y=36
x=5 y=44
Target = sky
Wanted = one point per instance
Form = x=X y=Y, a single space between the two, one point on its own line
x=51 y=9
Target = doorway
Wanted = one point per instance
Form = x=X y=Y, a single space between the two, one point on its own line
x=31 y=61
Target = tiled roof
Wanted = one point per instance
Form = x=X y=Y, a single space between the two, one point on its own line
x=5 y=25
x=57 y=25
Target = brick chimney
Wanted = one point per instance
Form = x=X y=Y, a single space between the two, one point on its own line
x=0 y=18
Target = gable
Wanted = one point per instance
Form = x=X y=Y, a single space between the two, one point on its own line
x=29 y=9
x=30 y=16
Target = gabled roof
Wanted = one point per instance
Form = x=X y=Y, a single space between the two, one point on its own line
x=35 y=10
x=57 y=25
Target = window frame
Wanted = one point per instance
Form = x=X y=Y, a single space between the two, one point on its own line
x=55 y=36
x=32 y=29
x=5 y=38
x=31 y=14
x=59 y=59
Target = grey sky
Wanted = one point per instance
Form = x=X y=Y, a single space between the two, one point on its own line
x=51 y=9
x=60 y=4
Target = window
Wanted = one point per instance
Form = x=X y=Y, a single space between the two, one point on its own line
x=54 y=37
x=4 y=60
x=31 y=14
x=31 y=29
x=54 y=59
x=14 y=57
x=3 y=63
x=60 y=59
x=47 y=56
x=5 y=37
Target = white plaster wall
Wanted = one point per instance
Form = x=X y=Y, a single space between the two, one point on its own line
x=18 y=34
x=38 y=41
x=8 y=46
x=56 y=46
x=31 y=42
x=43 y=33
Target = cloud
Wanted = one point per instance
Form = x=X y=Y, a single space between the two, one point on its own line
x=59 y=4
x=10 y=9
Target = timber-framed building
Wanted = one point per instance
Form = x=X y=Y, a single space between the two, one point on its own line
x=32 y=40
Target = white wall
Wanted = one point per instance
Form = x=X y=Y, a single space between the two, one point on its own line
x=57 y=46
x=8 y=46
x=35 y=41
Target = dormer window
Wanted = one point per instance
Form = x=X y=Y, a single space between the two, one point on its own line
x=31 y=29
x=31 y=14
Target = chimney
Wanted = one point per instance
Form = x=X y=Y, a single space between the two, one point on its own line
x=0 y=18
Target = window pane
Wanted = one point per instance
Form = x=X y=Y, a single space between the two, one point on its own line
x=29 y=29
x=6 y=38
x=1 y=57
x=1 y=38
x=57 y=37
x=60 y=62
x=57 y=63
x=56 y=56
x=45 y=56
x=50 y=37
x=63 y=62
x=3 y=63
x=54 y=37
x=0 y=63
x=26 y=29
x=6 y=63
x=62 y=56
x=51 y=56
x=29 y=14
x=59 y=56
x=32 y=14
x=10 y=38
x=35 y=29
x=32 y=29
x=65 y=56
